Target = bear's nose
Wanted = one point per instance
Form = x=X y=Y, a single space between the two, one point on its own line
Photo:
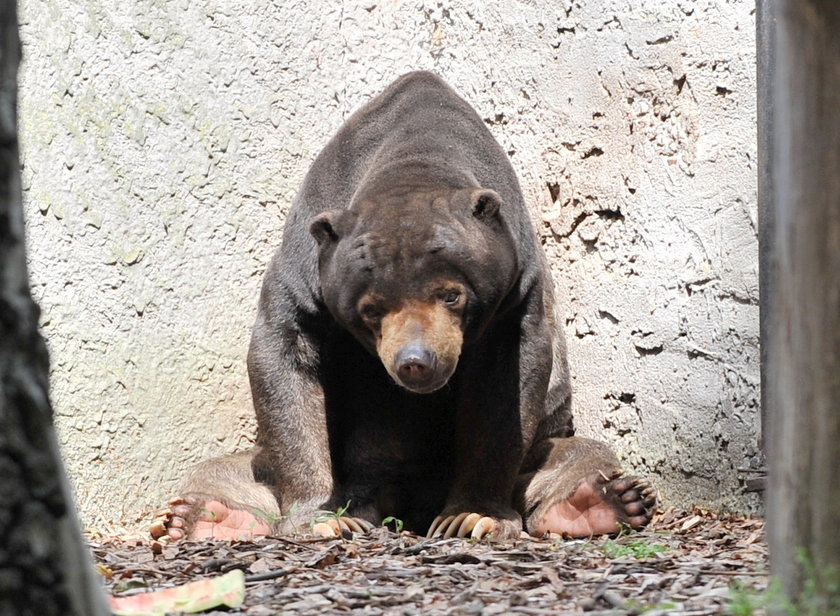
x=415 y=365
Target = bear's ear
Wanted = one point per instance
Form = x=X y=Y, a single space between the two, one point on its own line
x=485 y=203
x=323 y=227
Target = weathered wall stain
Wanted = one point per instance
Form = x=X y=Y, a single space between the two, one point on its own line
x=164 y=140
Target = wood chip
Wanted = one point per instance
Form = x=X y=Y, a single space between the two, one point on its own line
x=699 y=556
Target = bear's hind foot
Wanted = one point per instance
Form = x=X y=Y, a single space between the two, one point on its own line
x=599 y=507
x=196 y=517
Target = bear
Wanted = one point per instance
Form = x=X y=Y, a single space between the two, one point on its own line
x=407 y=358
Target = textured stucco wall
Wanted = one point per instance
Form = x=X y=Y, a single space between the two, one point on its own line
x=164 y=140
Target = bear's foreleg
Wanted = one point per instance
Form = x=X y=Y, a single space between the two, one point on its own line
x=293 y=458
x=501 y=401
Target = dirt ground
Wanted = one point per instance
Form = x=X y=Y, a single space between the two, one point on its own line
x=686 y=562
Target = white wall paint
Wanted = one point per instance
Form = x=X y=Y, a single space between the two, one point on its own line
x=164 y=140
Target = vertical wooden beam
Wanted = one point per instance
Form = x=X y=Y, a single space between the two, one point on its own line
x=765 y=22
x=802 y=338
x=44 y=566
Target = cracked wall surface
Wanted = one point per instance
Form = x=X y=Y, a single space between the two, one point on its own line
x=164 y=140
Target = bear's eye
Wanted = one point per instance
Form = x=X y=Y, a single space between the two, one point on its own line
x=371 y=312
x=452 y=298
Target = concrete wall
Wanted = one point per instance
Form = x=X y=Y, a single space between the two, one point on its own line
x=164 y=140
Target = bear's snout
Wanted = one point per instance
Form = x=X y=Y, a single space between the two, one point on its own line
x=419 y=345
x=415 y=366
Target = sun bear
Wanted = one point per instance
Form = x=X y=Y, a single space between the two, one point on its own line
x=407 y=358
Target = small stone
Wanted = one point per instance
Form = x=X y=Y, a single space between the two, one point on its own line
x=132 y=257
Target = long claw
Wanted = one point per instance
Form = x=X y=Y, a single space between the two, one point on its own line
x=358 y=525
x=468 y=524
x=454 y=525
x=434 y=528
x=483 y=527
x=334 y=528
x=464 y=525
x=444 y=526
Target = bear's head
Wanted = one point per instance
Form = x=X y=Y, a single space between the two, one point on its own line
x=415 y=275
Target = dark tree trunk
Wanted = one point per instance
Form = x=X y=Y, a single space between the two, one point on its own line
x=44 y=567
x=802 y=333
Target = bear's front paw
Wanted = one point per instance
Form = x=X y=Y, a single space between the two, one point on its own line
x=470 y=525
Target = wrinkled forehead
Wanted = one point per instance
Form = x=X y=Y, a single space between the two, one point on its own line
x=412 y=239
x=409 y=253
x=407 y=202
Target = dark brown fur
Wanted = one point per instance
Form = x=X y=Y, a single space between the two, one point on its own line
x=409 y=241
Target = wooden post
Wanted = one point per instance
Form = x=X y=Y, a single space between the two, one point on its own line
x=801 y=337
x=765 y=53
x=45 y=568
